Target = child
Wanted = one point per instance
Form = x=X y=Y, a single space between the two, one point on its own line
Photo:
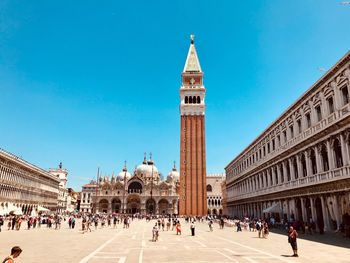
x=15 y=252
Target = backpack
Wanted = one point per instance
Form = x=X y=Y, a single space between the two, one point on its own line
x=8 y=260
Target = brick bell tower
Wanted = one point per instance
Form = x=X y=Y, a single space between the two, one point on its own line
x=193 y=195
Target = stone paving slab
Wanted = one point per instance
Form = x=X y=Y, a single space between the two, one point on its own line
x=135 y=245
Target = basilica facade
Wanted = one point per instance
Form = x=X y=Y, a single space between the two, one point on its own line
x=299 y=167
x=142 y=192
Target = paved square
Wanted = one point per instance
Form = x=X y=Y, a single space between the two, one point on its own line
x=135 y=245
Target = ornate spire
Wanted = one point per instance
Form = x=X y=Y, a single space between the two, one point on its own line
x=192 y=61
x=144 y=158
x=174 y=168
x=125 y=169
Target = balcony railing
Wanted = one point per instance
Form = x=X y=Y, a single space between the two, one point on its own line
x=323 y=124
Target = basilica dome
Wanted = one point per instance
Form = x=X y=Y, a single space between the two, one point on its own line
x=174 y=175
x=147 y=169
x=124 y=173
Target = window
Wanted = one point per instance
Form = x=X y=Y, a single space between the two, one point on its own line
x=318 y=113
x=278 y=140
x=186 y=100
x=209 y=188
x=299 y=125
x=284 y=136
x=268 y=147
x=198 y=100
x=308 y=120
x=291 y=131
x=330 y=105
x=273 y=144
x=345 y=94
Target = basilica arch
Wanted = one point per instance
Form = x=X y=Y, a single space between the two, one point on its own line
x=150 y=206
x=163 y=205
x=103 y=206
x=133 y=204
x=116 y=205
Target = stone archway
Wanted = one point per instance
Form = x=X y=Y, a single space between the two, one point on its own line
x=163 y=205
x=133 y=204
x=116 y=205
x=103 y=206
x=150 y=206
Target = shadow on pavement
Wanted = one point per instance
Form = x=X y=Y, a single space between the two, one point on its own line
x=334 y=239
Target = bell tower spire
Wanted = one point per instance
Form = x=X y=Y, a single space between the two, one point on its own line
x=193 y=195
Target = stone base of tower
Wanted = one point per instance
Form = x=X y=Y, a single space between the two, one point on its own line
x=193 y=195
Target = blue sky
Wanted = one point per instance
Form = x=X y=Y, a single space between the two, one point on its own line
x=94 y=83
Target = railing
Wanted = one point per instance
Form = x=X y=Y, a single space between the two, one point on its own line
x=324 y=123
x=324 y=177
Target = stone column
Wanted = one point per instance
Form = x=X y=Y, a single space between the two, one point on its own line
x=308 y=163
x=330 y=155
x=336 y=210
x=268 y=171
x=337 y=97
x=313 y=212
x=325 y=214
x=291 y=169
x=303 y=210
x=279 y=175
x=273 y=176
x=317 y=150
x=299 y=166
x=285 y=173
x=344 y=150
x=288 y=209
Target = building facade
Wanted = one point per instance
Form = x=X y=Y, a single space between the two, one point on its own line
x=299 y=167
x=24 y=187
x=193 y=193
x=214 y=194
x=144 y=192
x=86 y=196
x=63 y=204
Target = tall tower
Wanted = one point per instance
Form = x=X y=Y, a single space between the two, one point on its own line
x=193 y=195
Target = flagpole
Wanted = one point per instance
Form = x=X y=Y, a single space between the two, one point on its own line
x=97 y=186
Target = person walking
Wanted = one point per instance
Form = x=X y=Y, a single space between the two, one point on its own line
x=15 y=252
x=292 y=240
x=192 y=228
x=211 y=225
x=178 y=228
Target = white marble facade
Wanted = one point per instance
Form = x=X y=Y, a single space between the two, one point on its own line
x=299 y=167
x=24 y=187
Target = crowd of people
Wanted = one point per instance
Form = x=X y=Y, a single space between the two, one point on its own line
x=93 y=222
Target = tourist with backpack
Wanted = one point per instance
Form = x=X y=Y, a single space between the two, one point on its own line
x=15 y=252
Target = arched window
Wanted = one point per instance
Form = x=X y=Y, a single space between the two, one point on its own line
x=186 y=100
x=194 y=100
x=313 y=162
x=190 y=100
x=198 y=100
x=337 y=153
x=324 y=157
x=209 y=188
